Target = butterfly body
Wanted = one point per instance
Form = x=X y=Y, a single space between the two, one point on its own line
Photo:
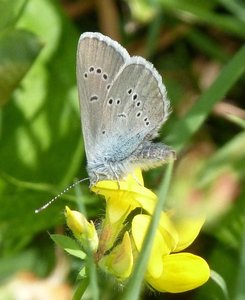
x=123 y=104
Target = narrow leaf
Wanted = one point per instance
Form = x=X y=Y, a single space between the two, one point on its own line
x=10 y=11
x=240 y=288
x=218 y=279
x=68 y=244
x=133 y=288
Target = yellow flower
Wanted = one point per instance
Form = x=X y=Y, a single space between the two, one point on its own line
x=132 y=205
x=120 y=261
x=166 y=270
x=182 y=272
x=119 y=204
x=83 y=230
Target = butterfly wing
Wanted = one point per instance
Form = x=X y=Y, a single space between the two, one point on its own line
x=136 y=106
x=99 y=59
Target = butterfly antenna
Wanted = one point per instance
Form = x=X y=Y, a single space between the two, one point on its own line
x=60 y=194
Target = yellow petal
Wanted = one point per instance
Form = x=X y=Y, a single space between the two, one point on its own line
x=181 y=272
x=120 y=261
x=168 y=231
x=147 y=201
x=140 y=225
x=124 y=196
x=188 y=229
x=118 y=208
x=133 y=184
x=109 y=188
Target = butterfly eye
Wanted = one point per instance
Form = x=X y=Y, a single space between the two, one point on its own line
x=118 y=101
x=98 y=71
x=138 y=114
x=138 y=103
x=91 y=69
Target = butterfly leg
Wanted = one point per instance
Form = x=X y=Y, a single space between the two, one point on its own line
x=97 y=176
x=137 y=180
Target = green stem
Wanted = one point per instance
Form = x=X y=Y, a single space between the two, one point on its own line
x=80 y=289
x=133 y=288
x=90 y=264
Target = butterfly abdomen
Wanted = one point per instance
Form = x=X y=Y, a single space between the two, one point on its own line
x=152 y=155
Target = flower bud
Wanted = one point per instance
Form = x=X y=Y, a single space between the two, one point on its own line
x=83 y=230
x=120 y=261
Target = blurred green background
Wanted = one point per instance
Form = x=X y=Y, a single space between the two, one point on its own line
x=198 y=48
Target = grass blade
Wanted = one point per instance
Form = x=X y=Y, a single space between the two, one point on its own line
x=80 y=290
x=133 y=288
x=201 y=13
x=187 y=126
x=240 y=289
x=221 y=283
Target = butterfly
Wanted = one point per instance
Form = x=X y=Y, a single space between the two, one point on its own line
x=123 y=104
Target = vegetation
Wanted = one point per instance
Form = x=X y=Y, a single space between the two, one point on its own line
x=198 y=48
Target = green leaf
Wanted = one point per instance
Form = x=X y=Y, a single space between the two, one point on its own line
x=18 y=51
x=82 y=274
x=10 y=11
x=237 y=7
x=40 y=130
x=199 y=12
x=69 y=245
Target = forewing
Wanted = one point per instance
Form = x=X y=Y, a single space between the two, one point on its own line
x=99 y=59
